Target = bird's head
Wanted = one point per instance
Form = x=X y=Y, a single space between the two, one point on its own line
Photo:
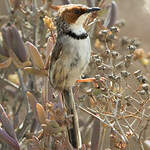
x=75 y=14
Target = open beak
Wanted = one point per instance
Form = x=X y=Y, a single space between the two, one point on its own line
x=92 y=9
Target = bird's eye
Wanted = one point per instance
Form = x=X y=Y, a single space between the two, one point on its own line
x=76 y=11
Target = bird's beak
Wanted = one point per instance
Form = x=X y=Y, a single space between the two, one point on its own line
x=92 y=9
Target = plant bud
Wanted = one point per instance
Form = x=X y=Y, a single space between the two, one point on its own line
x=13 y=41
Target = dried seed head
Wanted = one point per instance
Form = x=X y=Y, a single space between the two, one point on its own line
x=95 y=56
x=131 y=48
x=114 y=54
x=141 y=79
x=125 y=74
x=107 y=53
x=128 y=61
x=137 y=73
x=114 y=29
x=135 y=42
x=102 y=68
x=129 y=57
x=111 y=77
x=97 y=76
x=142 y=92
x=98 y=61
x=145 y=87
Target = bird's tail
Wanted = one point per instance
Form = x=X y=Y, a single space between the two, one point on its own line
x=73 y=130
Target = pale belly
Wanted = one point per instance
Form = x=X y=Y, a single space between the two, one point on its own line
x=80 y=56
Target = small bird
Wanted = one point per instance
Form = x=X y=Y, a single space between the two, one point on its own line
x=70 y=58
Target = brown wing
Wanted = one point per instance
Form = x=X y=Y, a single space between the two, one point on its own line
x=58 y=71
x=57 y=51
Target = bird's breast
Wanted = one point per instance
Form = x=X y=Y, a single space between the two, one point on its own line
x=80 y=52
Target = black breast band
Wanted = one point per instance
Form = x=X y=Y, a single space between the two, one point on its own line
x=75 y=36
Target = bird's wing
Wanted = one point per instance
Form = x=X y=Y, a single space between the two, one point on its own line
x=58 y=70
x=57 y=51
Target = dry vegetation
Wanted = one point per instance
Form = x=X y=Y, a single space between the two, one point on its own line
x=113 y=108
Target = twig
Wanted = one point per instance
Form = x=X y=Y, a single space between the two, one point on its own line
x=5 y=81
x=131 y=128
x=21 y=82
x=105 y=121
x=24 y=90
x=122 y=131
x=141 y=132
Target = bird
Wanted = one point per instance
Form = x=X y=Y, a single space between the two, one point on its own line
x=70 y=58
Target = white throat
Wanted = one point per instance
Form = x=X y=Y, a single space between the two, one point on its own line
x=77 y=27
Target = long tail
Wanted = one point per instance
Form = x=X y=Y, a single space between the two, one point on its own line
x=73 y=130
